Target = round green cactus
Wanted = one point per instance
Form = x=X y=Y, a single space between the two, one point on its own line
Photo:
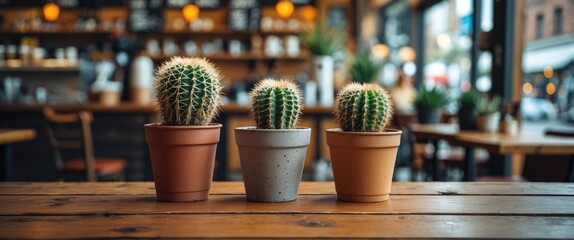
x=276 y=104
x=363 y=108
x=188 y=91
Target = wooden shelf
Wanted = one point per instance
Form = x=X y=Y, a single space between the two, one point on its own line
x=231 y=107
x=169 y=32
x=39 y=69
x=215 y=57
x=228 y=32
x=54 y=33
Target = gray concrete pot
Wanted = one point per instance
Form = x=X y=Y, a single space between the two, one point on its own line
x=272 y=162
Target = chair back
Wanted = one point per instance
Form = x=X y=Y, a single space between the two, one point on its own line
x=71 y=132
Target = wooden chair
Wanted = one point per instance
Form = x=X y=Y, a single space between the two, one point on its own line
x=541 y=167
x=71 y=134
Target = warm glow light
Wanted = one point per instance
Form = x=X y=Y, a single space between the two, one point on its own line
x=527 y=88
x=443 y=40
x=284 y=8
x=51 y=11
x=190 y=12
x=548 y=72
x=308 y=13
x=380 y=51
x=550 y=88
x=407 y=54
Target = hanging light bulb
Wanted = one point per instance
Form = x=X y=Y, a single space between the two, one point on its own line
x=284 y=8
x=381 y=51
x=407 y=54
x=308 y=13
x=51 y=11
x=190 y=12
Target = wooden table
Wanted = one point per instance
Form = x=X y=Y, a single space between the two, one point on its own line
x=415 y=210
x=7 y=137
x=498 y=143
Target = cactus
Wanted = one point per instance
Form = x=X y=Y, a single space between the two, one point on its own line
x=188 y=91
x=276 y=104
x=363 y=108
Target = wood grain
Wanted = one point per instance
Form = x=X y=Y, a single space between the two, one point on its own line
x=316 y=204
x=16 y=135
x=285 y=226
x=415 y=210
x=306 y=188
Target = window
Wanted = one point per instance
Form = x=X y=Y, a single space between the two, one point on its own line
x=539 y=25
x=558 y=21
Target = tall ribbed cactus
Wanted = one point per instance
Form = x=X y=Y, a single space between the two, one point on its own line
x=363 y=108
x=188 y=91
x=276 y=104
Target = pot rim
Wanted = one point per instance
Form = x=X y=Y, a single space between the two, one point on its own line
x=159 y=125
x=388 y=131
x=255 y=129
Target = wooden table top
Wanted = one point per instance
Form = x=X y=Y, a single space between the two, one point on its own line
x=16 y=135
x=524 y=142
x=415 y=210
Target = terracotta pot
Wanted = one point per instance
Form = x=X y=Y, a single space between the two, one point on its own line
x=182 y=159
x=272 y=162
x=363 y=163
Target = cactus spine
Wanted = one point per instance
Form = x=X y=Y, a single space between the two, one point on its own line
x=363 y=108
x=188 y=91
x=276 y=104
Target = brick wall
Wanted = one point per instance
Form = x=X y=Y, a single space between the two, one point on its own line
x=546 y=8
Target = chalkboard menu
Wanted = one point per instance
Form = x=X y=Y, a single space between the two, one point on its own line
x=296 y=3
x=202 y=4
x=64 y=4
x=244 y=15
x=146 y=15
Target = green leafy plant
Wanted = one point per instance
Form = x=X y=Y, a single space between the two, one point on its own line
x=276 y=104
x=363 y=108
x=433 y=98
x=363 y=68
x=470 y=100
x=322 y=40
x=486 y=107
x=188 y=91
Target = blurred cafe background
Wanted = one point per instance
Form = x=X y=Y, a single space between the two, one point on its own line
x=101 y=56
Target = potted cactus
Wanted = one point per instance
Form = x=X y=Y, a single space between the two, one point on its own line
x=363 y=151
x=183 y=145
x=272 y=154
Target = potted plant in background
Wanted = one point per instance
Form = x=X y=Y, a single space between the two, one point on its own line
x=323 y=42
x=363 y=68
x=272 y=154
x=488 y=114
x=429 y=103
x=363 y=151
x=183 y=146
x=468 y=110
